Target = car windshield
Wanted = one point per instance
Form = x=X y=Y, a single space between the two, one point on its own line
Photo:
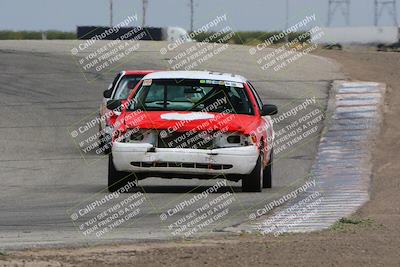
x=192 y=95
x=125 y=86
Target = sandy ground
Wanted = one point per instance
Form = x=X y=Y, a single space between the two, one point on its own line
x=373 y=239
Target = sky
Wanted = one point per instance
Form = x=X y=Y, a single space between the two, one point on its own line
x=245 y=15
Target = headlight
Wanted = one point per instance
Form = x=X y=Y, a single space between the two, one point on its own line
x=232 y=140
x=139 y=136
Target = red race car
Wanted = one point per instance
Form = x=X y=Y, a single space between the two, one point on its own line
x=119 y=89
x=193 y=124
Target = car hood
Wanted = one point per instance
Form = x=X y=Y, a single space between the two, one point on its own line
x=188 y=121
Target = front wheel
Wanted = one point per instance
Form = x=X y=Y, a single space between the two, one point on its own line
x=116 y=179
x=253 y=182
x=267 y=179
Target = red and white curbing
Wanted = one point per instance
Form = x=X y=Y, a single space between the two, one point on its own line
x=342 y=168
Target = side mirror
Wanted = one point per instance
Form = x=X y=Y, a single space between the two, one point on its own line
x=113 y=104
x=269 y=110
x=107 y=93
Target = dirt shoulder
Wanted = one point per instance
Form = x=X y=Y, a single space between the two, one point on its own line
x=372 y=239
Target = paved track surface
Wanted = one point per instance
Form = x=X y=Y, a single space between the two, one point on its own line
x=43 y=175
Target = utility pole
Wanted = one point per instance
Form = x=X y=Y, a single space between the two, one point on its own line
x=344 y=6
x=191 y=14
x=390 y=5
x=144 y=6
x=111 y=13
x=287 y=21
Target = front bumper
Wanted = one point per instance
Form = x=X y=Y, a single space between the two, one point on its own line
x=142 y=157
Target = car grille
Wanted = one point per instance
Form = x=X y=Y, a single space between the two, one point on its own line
x=190 y=140
x=181 y=165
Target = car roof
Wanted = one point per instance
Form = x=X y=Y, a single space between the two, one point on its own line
x=138 y=72
x=196 y=75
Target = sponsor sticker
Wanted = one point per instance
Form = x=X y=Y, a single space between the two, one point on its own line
x=233 y=84
x=224 y=83
x=147 y=82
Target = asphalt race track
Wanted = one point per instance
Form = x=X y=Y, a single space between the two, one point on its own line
x=43 y=174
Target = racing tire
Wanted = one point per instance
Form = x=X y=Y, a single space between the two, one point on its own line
x=116 y=179
x=253 y=182
x=267 y=179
